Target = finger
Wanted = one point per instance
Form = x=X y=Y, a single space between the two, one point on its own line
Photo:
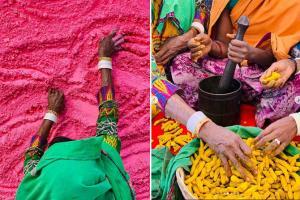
x=271 y=147
x=160 y=54
x=236 y=54
x=119 y=42
x=198 y=48
x=265 y=132
x=225 y=164
x=245 y=148
x=237 y=164
x=245 y=159
x=117 y=37
x=270 y=84
x=266 y=139
x=279 y=149
x=237 y=43
x=236 y=60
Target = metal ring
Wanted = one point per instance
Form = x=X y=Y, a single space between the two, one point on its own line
x=277 y=141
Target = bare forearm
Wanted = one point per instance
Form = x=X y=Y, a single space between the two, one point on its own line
x=106 y=77
x=45 y=129
x=263 y=58
x=177 y=109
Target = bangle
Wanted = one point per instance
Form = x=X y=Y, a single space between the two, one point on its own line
x=296 y=117
x=50 y=116
x=105 y=58
x=104 y=64
x=198 y=26
x=194 y=121
x=200 y=124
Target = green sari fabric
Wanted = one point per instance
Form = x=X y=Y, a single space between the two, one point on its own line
x=81 y=169
x=182 y=10
x=166 y=179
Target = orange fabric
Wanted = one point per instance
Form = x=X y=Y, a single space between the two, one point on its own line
x=280 y=17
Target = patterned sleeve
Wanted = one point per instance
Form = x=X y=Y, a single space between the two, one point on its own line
x=108 y=117
x=34 y=153
x=162 y=89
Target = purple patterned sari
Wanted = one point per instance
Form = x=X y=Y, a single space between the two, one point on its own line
x=271 y=104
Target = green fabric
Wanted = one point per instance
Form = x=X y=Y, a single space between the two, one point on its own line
x=81 y=169
x=182 y=159
x=184 y=11
x=231 y=4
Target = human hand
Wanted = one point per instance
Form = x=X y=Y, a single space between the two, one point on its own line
x=55 y=100
x=110 y=44
x=238 y=51
x=284 y=130
x=284 y=67
x=200 y=46
x=169 y=50
x=229 y=147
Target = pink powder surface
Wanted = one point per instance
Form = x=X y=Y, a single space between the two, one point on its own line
x=54 y=43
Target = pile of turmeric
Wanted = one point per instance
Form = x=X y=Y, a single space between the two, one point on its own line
x=172 y=136
x=277 y=177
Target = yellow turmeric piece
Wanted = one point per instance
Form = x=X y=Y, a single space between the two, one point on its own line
x=274 y=77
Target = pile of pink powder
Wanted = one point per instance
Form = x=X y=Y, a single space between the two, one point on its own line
x=54 y=44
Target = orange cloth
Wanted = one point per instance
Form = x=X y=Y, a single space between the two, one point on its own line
x=280 y=17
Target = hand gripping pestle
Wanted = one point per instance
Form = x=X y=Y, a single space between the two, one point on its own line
x=227 y=77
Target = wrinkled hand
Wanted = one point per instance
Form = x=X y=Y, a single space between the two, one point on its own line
x=55 y=100
x=200 y=46
x=238 y=50
x=284 y=67
x=284 y=130
x=110 y=44
x=229 y=147
x=169 y=50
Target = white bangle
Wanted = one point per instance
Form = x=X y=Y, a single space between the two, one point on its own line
x=104 y=64
x=296 y=117
x=51 y=117
x=194 y=120
x=198 y=26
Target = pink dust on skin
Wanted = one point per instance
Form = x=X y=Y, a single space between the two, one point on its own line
x=54 y=44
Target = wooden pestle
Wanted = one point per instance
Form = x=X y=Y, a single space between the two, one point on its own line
x=227 y=77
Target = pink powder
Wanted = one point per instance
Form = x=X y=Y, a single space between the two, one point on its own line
x=54 y=43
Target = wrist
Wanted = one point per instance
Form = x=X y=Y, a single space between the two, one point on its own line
x=293 y=65
x=295 y=117
x=204 y=130
x=251 y=54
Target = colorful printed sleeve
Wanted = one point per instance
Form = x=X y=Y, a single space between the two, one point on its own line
x=162 y=89
x=34 y=153
x=108 y=117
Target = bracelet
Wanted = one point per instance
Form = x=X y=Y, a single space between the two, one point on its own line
x=200 y=124
x=104 y=64
x=105 y=58
x=296 y=117
x=50 y=116
x=198 y=26
x=194 y=121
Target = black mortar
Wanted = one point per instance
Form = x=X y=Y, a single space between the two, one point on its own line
x=223 y=109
